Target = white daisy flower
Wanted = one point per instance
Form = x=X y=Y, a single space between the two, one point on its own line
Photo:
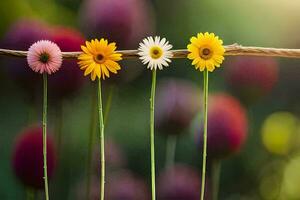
x=155 y=52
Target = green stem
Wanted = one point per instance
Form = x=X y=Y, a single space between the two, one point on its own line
x=108 y=104
x=92 y=134
x=152 y=146
x=100 y=112
x=45 y=134
x=205 y=106
x=216 y=172
x=171 y=150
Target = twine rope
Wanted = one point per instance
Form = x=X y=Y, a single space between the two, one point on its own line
x=230 y=50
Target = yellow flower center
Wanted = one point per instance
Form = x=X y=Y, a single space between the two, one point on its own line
x=205 y=53
x=99 y=58
x=156 y=52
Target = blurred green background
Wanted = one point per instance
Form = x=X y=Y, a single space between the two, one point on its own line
x=266 y=166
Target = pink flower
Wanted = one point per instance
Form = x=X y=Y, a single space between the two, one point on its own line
x=44 y=56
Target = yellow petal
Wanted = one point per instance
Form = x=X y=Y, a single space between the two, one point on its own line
x=115 y=57
x=103 y=42
x=200 y=36
x=97 y=71
x=202 y=64
x=202 y=68
x=113 y=70
x=192 y=56
x=82 y=67
x=93 y=44
x=93 y=76
x=210 y=66
x=112 y=67
x=112 y=64
x=85 y=62
x=89 y=46
x=85 y=57
x=104 y=70
x=89 y=69
x=218 y=59
x=112 y=47
x=195 y=61
x=195 y=41
x=85 y=50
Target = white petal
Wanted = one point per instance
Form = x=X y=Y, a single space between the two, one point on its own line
x=162 y=42
x=157 y=39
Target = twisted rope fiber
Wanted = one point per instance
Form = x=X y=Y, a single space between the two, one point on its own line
x=230 y=50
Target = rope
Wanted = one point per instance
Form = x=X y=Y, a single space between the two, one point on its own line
x=230 y=50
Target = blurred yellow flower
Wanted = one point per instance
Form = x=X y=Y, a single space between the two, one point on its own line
x=99 y=59
x=206 y=51
x=279 y=132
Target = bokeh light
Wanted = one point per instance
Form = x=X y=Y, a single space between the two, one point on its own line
x=279 y=131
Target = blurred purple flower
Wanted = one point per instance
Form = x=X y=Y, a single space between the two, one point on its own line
x=125 y=22
x=126 y=186
x=114 y=156
x=121 y=185
x=20 y=36
x=251 y=77
x=69 y=79
x=27 y=158
x=227 y=127
x=180 y=182
x=177 y=103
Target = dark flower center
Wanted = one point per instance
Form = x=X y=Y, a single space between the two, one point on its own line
x=206 y=53
x=155 y=52
x=100 y=57
x=44 y=57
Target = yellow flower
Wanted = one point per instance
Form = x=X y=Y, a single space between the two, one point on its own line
x=99 y=59
x=206 y=51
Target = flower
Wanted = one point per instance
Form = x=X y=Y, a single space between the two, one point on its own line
x=69 y=80
x=27 y=157
x=125 y=184
x=227 y=127
x=99 y=58
x=180 y=182
x=44 y=56
x=206 y=51
x=177 y=102
x=252 y=78
x=155 y=52
x=20 y=36
x=108 y=19
x=278 y=132
x=121 y=184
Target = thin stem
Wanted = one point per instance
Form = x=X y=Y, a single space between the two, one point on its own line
x=108 y=104
x=45 y=135
x=92 y=134
x=216 y=172
x=205 y=106
x=100 y=112
x=152 y=146
x=171 y=150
